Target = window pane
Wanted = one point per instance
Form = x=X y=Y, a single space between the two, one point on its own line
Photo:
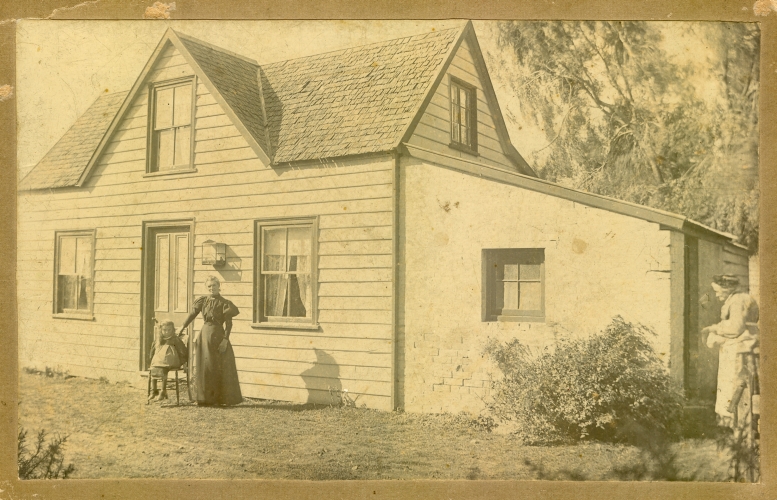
x=182 y=146
x=511 y=272
x=455 y=137
x=299 y=249
x=299 y=294
x=275 y=287
x=163 y=117
x=274 y=249
x=183 y=105
x=84 y=256
x=67 y=255
x=165 y=147
x=510 y=295
x=84 y=290
x=530 y=296
x=66 y=292
x=530 y=272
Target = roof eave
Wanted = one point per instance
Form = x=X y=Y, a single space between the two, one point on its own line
x=693 y=228
x=666 y=220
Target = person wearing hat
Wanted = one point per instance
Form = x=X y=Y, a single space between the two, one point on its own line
x=736 y=333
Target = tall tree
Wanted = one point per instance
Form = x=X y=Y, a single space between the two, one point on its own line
x=622 y=120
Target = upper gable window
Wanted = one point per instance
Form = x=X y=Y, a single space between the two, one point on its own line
x=171 y=111
x=463 y=104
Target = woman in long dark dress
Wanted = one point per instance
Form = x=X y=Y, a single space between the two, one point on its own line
x=213 y=374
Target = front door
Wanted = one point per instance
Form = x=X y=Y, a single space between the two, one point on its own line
x=167 y=290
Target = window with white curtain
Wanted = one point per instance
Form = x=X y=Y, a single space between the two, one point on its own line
x=74 y=275
x=286 y=285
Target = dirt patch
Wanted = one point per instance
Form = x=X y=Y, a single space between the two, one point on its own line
x=112 y=433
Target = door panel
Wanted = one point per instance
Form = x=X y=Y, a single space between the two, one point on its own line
x=181 y=277
x=167 y=287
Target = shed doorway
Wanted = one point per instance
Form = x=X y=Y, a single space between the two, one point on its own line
x=701 y=309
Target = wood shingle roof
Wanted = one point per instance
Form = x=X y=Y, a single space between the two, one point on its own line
x=348 y=102
x=236 y=79
x=65 y=162
x=353 y=101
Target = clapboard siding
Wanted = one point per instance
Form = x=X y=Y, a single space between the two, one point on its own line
x=301 y=342
x=327 y=381
x=366 y=188
x=365 y=373
x=255 y=388
x=226 y=175
x=338 y=357
x=231 y=189
x=433 y=129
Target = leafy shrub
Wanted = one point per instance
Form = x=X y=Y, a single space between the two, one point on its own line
x=46 y=461
x=610 y=387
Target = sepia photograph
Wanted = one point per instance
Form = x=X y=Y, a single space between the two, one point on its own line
x=400 y=250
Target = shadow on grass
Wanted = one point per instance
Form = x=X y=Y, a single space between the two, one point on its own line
x=268 y=405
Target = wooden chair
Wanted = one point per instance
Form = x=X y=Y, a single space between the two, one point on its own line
x=184 y=367
x=177 y=396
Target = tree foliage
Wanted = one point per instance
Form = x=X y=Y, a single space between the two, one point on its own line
x=623 y=119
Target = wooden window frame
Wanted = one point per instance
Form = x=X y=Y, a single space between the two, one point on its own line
x=492 y=259
x=87 y=314
x=272 y=322
x=470 y=147
x=151 y=147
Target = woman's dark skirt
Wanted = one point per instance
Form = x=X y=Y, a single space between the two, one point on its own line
x=213 y=375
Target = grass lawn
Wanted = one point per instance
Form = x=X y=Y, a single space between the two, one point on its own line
x=112 y=433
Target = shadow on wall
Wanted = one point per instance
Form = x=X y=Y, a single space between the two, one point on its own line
x=232 y=271
x=322 y=381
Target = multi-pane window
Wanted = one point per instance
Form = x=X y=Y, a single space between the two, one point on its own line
x=171 y=139
x=74 y=282
x=515 y=284
x=463 y=111
x=286 y=287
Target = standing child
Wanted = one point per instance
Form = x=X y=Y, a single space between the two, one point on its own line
x=168 y=353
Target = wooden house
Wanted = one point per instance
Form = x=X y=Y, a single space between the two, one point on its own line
x=366 y=211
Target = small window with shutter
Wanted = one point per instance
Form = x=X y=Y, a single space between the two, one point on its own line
x=514 y=281
x=172 y=113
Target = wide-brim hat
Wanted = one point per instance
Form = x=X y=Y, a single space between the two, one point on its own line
x=726 y=281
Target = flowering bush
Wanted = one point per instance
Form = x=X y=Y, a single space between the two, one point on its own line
x=611 y=387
